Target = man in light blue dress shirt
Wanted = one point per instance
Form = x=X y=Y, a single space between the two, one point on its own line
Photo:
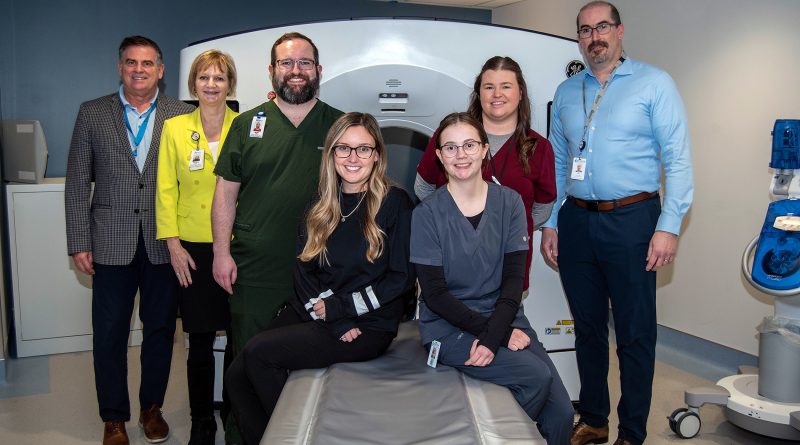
x=615 y=126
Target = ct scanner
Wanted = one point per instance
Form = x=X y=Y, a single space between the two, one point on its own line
x=409 y=73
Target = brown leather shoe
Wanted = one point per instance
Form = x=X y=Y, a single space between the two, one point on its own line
x=155 y=427
x=621 y=441
x=582 y=434
x=114 y=433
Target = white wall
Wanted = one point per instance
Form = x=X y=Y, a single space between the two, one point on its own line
x=736 y=64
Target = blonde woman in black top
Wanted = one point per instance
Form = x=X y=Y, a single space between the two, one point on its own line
x=350 y=276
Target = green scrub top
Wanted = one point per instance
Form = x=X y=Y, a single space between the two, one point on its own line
x=278 y=173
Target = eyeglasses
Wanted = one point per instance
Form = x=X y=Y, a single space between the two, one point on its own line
x=602 y=29
x=362 y=151
x=303 y=64
x=470 y=147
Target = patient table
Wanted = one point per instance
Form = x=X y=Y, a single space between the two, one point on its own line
x=396 y=399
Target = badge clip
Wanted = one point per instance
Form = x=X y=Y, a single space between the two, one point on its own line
x=257 y=126
x=433 y=355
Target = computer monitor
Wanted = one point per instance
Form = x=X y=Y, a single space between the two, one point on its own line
x=24 y=151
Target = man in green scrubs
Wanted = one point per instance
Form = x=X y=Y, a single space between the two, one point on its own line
x=267 y=171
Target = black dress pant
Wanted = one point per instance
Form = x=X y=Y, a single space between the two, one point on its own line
x=113 y=296
x=256 y=377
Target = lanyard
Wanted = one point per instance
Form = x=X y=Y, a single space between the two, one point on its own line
x=496 y=178
x=596 y=104
x=137 y=138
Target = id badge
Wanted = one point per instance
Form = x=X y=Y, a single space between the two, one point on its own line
x=578 y=169
x=433 y=355
x=257 y=126
x=196 y=160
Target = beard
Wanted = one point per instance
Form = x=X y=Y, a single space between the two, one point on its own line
x=294 y=96
x=600 y=57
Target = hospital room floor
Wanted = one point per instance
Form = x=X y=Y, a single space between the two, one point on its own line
x=51 y=400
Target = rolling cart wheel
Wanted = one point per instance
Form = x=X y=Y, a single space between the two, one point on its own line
x=671 y=418
x=687 y=425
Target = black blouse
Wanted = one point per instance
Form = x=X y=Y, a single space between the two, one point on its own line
x=358 y=293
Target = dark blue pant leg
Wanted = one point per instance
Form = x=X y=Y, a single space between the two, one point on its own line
x=530 y=376
x=158 y=305
x=602 y=256
x=587 y=293
x=633 y=304
x=113 y=295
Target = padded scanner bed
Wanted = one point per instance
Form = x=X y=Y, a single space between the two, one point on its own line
x=396 y=399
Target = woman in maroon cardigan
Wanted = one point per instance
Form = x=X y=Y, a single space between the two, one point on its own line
x=519 y=157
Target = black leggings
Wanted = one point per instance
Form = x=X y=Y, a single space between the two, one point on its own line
x=200 y=374
x=256 y=377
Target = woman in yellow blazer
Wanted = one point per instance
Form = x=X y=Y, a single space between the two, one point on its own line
x=189 y=150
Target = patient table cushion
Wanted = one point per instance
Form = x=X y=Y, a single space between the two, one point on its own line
x=396 y=399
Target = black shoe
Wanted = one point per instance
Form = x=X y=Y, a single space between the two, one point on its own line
x=203 y=431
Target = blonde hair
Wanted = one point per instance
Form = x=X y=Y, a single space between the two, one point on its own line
x=217 y=58
x=323 y=217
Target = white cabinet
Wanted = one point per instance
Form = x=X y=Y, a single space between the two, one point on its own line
x=52 y=299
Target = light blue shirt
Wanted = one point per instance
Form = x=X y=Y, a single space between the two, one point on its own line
x=640 y=125
x=135 y=119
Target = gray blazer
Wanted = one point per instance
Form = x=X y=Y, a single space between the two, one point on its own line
x=123 y=199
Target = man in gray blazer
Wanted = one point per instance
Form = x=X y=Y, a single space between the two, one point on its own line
x=111 y=235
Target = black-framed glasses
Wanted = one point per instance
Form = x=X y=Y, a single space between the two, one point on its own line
x=602 y=28
x=303 y=64
x=470 y=147
x=362 y=151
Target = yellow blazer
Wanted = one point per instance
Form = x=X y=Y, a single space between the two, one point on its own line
x=183 y=197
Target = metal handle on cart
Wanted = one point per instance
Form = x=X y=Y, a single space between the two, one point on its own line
x=747 y=271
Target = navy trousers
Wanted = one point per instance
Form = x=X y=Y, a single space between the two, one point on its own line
x=530 y=376
x=601 y=258
x=113 y=294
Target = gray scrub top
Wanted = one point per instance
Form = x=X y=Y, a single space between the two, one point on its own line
x=472 y=259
